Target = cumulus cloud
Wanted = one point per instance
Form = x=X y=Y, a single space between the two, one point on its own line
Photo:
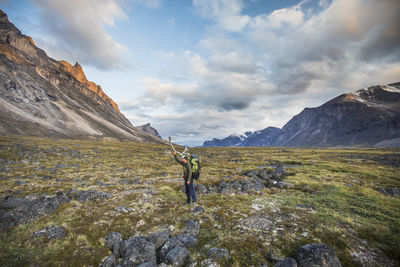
x=226 y=13
x=76 y=31
x=276 y=64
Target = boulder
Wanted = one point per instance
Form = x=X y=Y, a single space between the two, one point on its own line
x=168 y=246
x=283 y=185
x=188 y=241
x=10 y=202
x=89 y=195
x=109 y=261
x=178 y=256
x=218 y=253
x=51 y=232
x=158 y=239
x=192 y=227
x=147 y=264
x=288 y=262
x=138 y=251
x=32 y=208
x=317 y=254
x=114 y=243
x=198 y=209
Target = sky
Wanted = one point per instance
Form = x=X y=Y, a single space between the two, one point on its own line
x=204 y=69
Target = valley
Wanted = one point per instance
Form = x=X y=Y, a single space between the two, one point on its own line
x=260 y=204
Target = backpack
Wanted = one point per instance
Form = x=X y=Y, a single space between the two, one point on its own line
x=196 y=167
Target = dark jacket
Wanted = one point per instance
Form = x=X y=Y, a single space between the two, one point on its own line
x=187 y=167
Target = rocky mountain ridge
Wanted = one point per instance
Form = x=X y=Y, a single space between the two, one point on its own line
x=367 y=117
x=40 y=96
x=147 y=128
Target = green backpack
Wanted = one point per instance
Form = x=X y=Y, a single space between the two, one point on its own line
x=196 y=167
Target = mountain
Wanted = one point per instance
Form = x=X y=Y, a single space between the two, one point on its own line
x=367 y=117
x=232 y=140
x=147 y=128
x=40 y=96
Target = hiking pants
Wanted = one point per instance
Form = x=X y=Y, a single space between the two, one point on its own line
x=190 y=193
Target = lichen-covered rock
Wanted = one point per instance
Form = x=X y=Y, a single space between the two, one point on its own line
x=32 y=208
x=122 y=209
x=178 y=256
x=89 y=195
x=192 y=227
x=158 y=239
x=198 y=209
x=109 y=261
x=114 y=243
x=51 y=232
x=138 y=251
x=288 y=262
x=317 y=254
x=147 y=264
x=218 y=253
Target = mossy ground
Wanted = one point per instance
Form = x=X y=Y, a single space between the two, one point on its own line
x=349 y=214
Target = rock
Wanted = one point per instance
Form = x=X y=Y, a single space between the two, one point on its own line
x=147 y=264
x=198 y=209
x=158 y=239
x=218 y=253
x=32 y=208
x=123 y=209
x=138 y=251
x=272 y=256
x=317 y=254
x=187 y=240
x=51 y=232
x=114 y=243
x=283 y=185
x=209 y=263
x=281 y=171
x=200 y=189
x=128 y=181
x=288 y=262
x=178 y=256
x=90 y=195
x=394 y=192
x=192 y=227
x=256 y=223
x=109 y=261
x=20 y=182
x=10 y=202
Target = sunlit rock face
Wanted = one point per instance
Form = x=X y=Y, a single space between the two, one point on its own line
x=44 y=97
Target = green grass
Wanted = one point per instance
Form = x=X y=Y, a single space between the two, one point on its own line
x=350 y=215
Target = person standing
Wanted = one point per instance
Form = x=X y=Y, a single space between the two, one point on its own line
x=187 y=176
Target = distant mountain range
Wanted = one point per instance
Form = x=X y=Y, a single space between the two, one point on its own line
x=368 y=117
x=43 y=97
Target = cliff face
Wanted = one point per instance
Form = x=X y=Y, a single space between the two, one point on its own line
x=78 y=73
x=367 y=117
x=44 y=97
x=147 y=128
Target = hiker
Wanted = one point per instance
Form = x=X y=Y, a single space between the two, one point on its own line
x=187 y=175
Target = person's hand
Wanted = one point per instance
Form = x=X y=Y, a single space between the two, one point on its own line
x=188 y=182
x=174 y=152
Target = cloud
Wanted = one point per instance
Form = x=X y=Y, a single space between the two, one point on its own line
x=76 y=31
x=260 y=71
x=226 y=13
x=149 y=3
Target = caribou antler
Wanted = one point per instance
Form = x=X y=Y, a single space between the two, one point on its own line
x=185 y=152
